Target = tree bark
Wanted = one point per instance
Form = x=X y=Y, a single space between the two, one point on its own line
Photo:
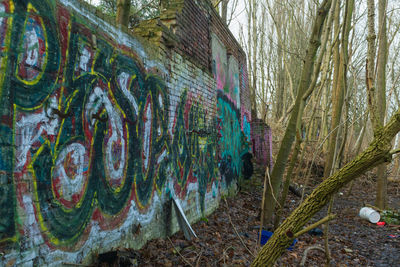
x=378 y=152
x=123 y=12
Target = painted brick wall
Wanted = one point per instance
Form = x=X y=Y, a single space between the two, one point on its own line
x=100 y=128
x=262 y=142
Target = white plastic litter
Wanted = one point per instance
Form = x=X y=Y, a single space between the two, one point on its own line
x=370 y=214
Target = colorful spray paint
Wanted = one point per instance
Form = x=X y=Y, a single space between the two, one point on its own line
x=95 y=137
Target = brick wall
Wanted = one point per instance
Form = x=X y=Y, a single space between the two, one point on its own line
x=262 y=142
x=101 y=128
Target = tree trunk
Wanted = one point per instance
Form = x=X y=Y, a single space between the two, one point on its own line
x=279 y=101
x=123 y=12
x=370 y=72
x=286 y=144
x=377 y=153
x=224 y=11
x=338 y=93
x=289 y=175
x=381 y=193
x=340 y=84
x=335 y=98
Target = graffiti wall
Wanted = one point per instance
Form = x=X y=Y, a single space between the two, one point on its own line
x=234 y=132
x=98 y=132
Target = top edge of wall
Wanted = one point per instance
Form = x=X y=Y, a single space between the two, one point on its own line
x=151 y=33
x=147 y=46
x=228 y=31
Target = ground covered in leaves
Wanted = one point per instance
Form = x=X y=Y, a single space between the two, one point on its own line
x=229 y=236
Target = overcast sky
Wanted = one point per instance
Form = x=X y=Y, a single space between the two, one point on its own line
x=239 y=17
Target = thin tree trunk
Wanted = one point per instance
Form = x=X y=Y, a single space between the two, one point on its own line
x=280 y=80
x=381 y=193
x=286 y=184
x=334 y=154
x=370 y=73
x=325 y=111
x=337 y=96
x=262 y=67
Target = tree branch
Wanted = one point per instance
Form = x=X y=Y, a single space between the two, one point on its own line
x=314 y=225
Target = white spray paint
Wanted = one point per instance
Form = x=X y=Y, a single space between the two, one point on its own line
x=97 y=100
x=84 y=59
x=123 y=80
x=29 y=129
x=32 y=47
x=147 y=134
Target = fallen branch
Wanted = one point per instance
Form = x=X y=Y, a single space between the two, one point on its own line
x=303 y=260
x=223 y=255
x=198 y=259
x=298 y=192
x=184 y=259
x=314 y=225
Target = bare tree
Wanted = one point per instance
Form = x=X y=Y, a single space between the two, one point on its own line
x=289 y=136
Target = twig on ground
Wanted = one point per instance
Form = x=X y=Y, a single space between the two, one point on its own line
x=198 y=259
x=326 y=232
x=234 y=228
x=184 y=259
x=303 y=260
x=223 y=255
